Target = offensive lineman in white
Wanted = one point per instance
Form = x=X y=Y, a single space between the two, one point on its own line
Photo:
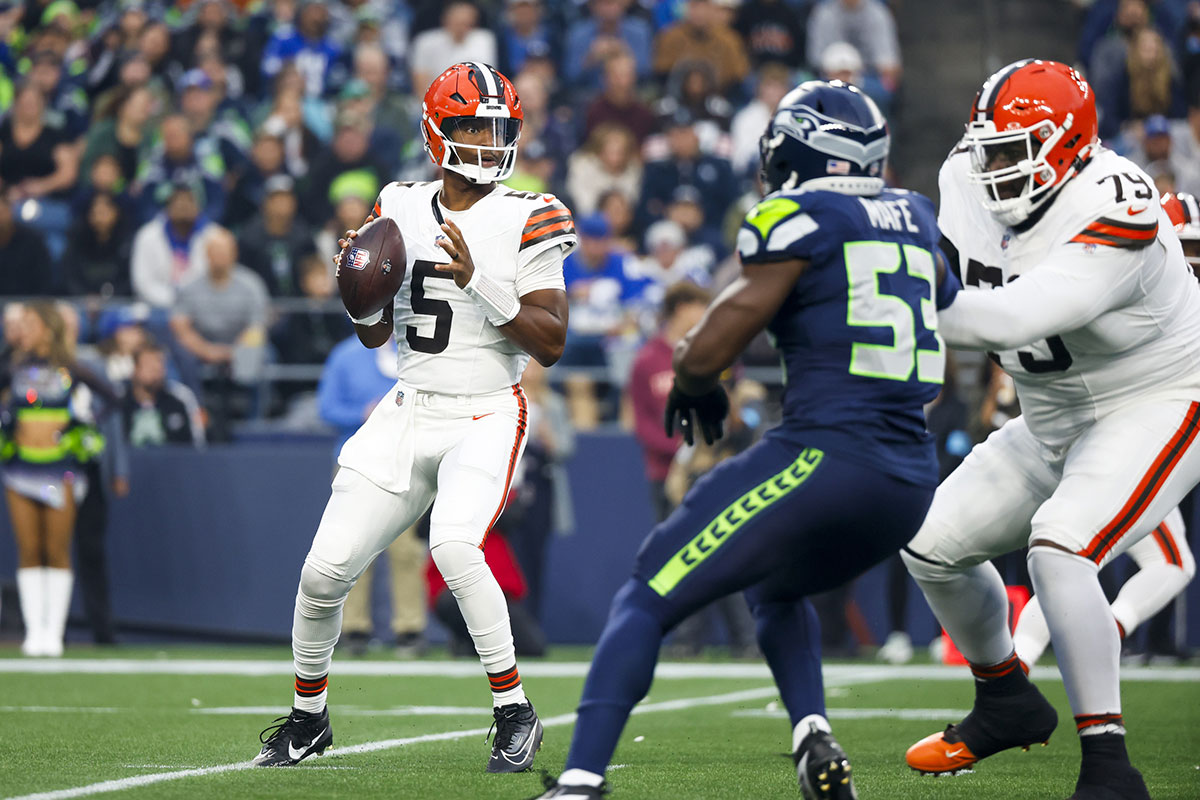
x=1101 y=334
x=483 y=292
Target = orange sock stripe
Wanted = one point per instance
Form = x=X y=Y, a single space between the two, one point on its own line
x=307 y=688
x=996 y=670
x=1147 y=488
x=500 y=687
x=499 y=676
x=1091 y=720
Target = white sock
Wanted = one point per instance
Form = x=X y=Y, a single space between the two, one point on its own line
x=1082 y=628
x=484 y=609
x=1031 y=636
x=580 y=777
x=1145 y=594
x=805 y=726
x=316 y=626
x=970 y=603
x=31 y=590
x=58 y=583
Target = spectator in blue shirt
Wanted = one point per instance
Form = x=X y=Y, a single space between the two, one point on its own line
x=686 y=165
x=591 y=41
x=308 y=45
x=353 y=382
x=523 y=30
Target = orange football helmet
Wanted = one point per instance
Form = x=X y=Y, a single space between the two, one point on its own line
x=471 y=121
x=1032 y=127
x=1184 y=212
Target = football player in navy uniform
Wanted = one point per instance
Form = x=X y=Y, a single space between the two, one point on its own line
x=846 y=276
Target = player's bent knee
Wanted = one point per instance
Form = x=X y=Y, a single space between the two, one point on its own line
x=926 y=570
x=461 y=564
x=320 y=595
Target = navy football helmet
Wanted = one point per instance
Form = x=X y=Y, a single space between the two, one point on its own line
x=825 y=135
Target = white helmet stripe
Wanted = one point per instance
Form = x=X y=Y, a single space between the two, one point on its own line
x=484 y=72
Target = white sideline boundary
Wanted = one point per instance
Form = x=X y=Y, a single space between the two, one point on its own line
x=121 y=784
x=835 y=673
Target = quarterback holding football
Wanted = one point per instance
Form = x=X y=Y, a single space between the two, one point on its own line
x=482 y=291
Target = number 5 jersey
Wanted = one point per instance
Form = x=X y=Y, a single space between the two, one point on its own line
x=1131 y=328
x=858 y=330
x=518 y=239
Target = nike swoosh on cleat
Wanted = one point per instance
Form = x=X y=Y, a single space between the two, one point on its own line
x=953 y=753
x=296 y=755
x=481 y=416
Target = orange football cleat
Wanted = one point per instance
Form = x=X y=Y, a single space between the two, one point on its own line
x=936 y=754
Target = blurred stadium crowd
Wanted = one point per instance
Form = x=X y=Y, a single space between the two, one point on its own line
x=182 y=171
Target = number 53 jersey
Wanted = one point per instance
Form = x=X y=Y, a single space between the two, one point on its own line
x=858 y=329
x=445 y=343
x=1106 y=238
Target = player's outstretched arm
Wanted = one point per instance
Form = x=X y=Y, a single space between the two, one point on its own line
x=1051 y=299
x=737 y=315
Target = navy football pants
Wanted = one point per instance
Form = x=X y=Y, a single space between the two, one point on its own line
x=778 y=521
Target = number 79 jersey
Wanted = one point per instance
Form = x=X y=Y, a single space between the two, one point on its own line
x=1144 y=340
x=445 y=344
x=858 y=331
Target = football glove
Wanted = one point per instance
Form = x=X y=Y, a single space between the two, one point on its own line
x=710 y=409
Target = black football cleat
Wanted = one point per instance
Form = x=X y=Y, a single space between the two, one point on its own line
x=294 y=738
x=1105 y=772
x=558 y=791
x=823 y=768
x=518 y=738
x=997 y=722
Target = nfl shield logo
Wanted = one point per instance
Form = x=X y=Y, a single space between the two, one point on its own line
x=358 y=258
x=399 y=397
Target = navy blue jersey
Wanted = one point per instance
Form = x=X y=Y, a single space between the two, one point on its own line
x=858 y=330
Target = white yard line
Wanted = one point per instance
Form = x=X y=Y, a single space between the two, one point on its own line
x=863 y=713
x=63 y=709
x=852 y=673
x=121 y=784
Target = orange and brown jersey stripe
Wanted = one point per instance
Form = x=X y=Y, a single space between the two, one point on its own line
x=1090 y=720
x=503 y=681
x=993 y=671
x=1166 y=461
x=311 y=688
x=552 y=222
x=1118 y=233
x=1166 y=542
x=522 y=424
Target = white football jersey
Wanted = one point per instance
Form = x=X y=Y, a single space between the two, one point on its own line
x=518 y=239
x=1141 y=340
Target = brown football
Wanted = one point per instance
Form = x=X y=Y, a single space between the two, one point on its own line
x=372 y=268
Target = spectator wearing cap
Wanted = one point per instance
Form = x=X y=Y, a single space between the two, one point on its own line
x=609 y=160
x=121 y=129
x=25 y=265
x=746 y=128
x=220 y=133
x=607 y=31
x=703 y=35
x=686 y=208
x=169 y=249
x=458 y=38
x=841 y=61
x=773 y=31
x=1157 y=153
x=38 y=163
x=387 y=141
x=686 y=164
x=308 y=45
x=618 y=101
x=177 y=158
x=536 y=170
x=275 y=241
x=866 y=24
x=349 y=155
x=670 y=259
x=96 y=261
x=352 y=195
x=524 y=31
x=249 y=183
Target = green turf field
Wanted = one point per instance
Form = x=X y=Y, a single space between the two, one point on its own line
x=182 y=723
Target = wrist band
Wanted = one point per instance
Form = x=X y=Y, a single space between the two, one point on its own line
x=499 y=306
x=373 y=319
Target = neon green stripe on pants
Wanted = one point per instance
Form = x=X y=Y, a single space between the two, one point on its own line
x=735 y=515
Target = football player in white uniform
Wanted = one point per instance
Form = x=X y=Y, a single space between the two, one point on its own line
x=1165 y=567
x=1101 y=334
x=483 y=291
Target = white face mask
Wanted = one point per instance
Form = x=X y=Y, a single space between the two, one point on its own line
x=1015 y=178
x=492 y=159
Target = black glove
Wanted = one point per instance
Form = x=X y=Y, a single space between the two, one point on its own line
x=710 y=408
